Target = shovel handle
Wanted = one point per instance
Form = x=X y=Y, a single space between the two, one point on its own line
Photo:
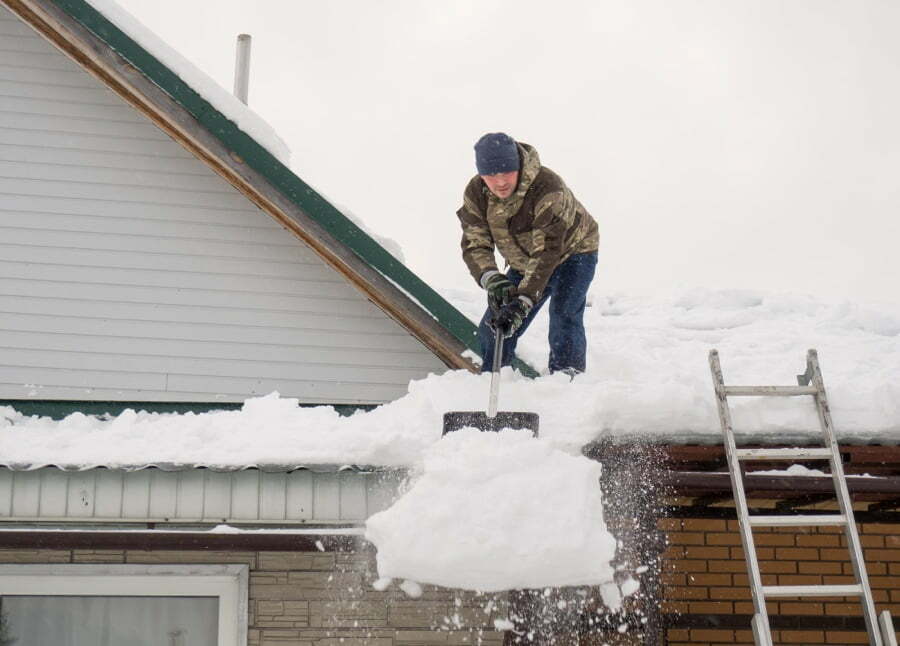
x=495 y=374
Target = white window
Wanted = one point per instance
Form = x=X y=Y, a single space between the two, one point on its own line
x=134 y=605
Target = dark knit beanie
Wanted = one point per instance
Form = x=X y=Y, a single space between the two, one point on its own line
x=496 y=152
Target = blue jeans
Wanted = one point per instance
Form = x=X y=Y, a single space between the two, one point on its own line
x=567 y=292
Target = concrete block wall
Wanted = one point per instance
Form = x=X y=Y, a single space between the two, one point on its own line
x=326 y=599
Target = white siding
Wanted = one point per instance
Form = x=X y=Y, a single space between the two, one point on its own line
x=195 y=496
x=130 y=271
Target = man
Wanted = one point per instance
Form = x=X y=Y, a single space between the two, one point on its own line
x=549 y=242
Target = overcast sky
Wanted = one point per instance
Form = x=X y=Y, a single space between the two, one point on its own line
x=750 y=144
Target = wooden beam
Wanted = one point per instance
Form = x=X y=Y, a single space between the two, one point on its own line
x=180 y=540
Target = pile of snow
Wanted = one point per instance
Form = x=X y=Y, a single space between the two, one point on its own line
x=793 y=470
x=647 y=377
x=226 y=103
x=497 y=511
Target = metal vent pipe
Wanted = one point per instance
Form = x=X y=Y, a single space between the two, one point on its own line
x=242 y=68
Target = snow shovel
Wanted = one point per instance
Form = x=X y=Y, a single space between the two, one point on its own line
x=492 y=420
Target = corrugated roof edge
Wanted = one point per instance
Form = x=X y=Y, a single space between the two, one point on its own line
x=281 y=177
x=176 y=466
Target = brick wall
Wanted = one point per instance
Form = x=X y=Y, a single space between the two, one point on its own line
x=704 y=578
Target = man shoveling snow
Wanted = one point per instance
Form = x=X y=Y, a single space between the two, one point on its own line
x=548 y=239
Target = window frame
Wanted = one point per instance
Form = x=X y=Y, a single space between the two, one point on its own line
x=229 y=583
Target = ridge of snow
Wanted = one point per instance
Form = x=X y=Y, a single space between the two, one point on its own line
x=647 y=377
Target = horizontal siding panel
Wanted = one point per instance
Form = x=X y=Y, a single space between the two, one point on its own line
x=29 y=377
x=148 y=243
x=94 y=173
x=67 y=108
x=389 y=340
x=148 y=214
x=124 y=194
x=193 y=315
x=213 y=391
x=43 y=60
x=328 y=282
x=307 y=393
x=255 y=352
x=10 y=26
x=135 y=131
x=15 y=134
x=116 y=259
x=87 y=294
x=20 y=76
x=89 y=173
x=171 y=368
x=318 y=391
x=158 y=229
x=26 y=44
x=76 y=157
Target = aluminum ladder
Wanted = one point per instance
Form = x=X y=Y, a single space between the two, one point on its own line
x=809 y=383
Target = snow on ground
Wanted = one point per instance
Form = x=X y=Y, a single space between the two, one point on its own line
x=647 y=377
x=473 y=512
x=223 y=101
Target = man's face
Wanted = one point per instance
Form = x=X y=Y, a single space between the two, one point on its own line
x=502 y=184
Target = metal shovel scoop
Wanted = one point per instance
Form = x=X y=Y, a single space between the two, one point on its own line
x=492 y=420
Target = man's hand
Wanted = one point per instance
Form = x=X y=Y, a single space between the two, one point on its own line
x=500 y=290
x=511 y=316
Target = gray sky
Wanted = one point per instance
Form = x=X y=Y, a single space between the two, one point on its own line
x=750 y=144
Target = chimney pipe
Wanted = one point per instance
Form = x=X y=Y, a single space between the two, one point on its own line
x=242 y=68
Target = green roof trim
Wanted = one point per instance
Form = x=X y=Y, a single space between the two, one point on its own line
x=57 y=409
x=279 y=175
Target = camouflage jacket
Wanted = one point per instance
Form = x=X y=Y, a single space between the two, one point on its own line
x=535 y=229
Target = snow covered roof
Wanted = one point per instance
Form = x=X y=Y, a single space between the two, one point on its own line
x=236 y=143
x=648 y=380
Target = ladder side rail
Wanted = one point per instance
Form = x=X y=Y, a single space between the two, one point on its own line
x=761 y=617
x=854 y=545
x=887 y=628
x=761 y=634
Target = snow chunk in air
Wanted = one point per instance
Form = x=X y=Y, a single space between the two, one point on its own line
x=497 y=511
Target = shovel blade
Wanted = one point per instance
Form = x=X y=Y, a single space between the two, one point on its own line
x=478 y=419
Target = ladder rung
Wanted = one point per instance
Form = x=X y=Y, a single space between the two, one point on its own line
x=812 y=590
x=809 y=520
x=783 y=454
x=770 y=391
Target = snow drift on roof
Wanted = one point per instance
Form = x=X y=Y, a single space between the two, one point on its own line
x=648 y=377
x=226 y=103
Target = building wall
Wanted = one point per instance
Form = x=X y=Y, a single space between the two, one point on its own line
x=313 y=598
x=705 y=579
x=322 y=598
x=129 y=271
